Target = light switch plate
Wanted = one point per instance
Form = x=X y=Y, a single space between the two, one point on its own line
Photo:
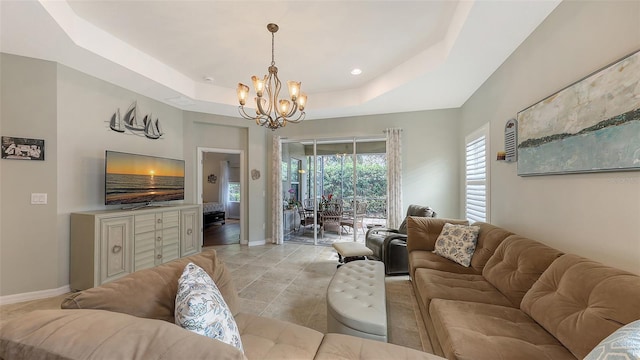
x=38 y=198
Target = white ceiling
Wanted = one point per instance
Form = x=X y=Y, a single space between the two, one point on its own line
x=415 y=55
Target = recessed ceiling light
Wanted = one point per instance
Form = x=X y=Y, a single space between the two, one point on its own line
x=356 y=71
x=208 y=78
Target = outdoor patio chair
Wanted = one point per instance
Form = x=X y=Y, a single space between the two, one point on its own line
x=348 y=216
x=330 y=216
x=306 y=218
x=308 y=204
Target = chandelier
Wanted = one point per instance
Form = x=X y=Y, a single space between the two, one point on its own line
x=271 y=111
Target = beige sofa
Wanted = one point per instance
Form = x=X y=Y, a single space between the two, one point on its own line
x=519 y=299
x=133 y=318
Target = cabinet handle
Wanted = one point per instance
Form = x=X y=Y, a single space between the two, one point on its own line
x=159 y=238
x=159 y=221
x=159 y=256
x=116 y=249
x=189 y=231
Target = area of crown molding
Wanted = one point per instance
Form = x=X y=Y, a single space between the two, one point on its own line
x=103 y=44
x=441 y=76
x=95 y=40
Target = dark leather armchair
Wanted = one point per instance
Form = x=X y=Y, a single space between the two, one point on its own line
x=390 y=245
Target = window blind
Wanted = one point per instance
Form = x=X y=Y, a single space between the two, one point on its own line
x=476 y=179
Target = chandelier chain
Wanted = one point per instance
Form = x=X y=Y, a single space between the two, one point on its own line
x=273 y=49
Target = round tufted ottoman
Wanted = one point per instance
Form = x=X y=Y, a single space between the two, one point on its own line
x=356 y=303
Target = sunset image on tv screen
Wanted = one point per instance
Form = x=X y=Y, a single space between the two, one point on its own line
x=132 y=178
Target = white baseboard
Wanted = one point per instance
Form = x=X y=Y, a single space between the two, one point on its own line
x=35 y=295
x=257 y=242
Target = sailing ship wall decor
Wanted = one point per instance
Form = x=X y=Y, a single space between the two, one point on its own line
x=147 y=127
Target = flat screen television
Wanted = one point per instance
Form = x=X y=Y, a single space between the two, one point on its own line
x=138 y=179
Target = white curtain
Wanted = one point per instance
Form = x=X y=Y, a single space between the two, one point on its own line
x=394 y=178
x=224 y=184
x=277 y=235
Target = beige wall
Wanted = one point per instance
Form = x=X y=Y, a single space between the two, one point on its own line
x=85 y=105
x=593 y=215
x=70 y=111
x=29 y=254
x=221 y=132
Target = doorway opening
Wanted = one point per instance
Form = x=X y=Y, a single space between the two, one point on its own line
x=220 y=188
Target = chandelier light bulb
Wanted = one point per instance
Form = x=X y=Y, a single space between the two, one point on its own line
x=302 y=101
x=284 y=107
x=294 y=89
x=243 y=92
x=258 y=84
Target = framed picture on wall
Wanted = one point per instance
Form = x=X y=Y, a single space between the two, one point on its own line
x=590 y=126
x=22 y=148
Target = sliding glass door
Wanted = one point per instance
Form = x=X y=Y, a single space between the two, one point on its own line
x=333 y=189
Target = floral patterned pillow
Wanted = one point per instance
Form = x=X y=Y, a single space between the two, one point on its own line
x=624 y=343
x=457 y=243
x=200 y=307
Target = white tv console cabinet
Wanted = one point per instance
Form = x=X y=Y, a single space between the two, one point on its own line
x=108 y=244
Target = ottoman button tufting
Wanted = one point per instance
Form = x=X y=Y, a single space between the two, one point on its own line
x=353 y=311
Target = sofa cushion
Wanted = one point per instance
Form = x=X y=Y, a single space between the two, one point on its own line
x=431 y=284
x=622 y=344
x=516 y=264
x=429 y=260
x=201 y=308
x=97 y=334
x=457 y=243
x=344 y=347
x=151 y=293
x=265 y=338
x=489 y=238
x=423 y=232
x=434 y=284
x=581 y=302
x=475 y=331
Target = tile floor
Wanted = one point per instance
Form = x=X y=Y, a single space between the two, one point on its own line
x=289 y=282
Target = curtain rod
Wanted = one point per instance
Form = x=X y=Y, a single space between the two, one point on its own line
x=330 y=139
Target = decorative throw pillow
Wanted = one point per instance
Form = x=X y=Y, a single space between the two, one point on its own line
x=457 y=243
x=200 y=307
x=624 y=343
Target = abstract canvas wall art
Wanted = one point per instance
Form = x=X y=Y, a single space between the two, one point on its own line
x=591 y=125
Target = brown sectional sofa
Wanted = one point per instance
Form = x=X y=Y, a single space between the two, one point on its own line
x=133 y=318
x=519 y=299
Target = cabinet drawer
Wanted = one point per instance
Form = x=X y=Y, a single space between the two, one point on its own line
x=170 y=219
x=170 y=252
x=145 y=223
x=144 y=251
x=171 y=235
x=170 y=244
